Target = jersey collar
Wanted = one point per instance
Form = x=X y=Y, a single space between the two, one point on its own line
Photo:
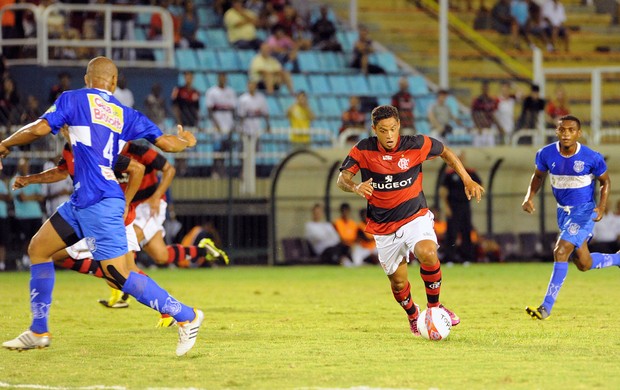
x=557 y=146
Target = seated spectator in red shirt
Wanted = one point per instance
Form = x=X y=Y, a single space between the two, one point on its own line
x=403 y=101
x=353 y=117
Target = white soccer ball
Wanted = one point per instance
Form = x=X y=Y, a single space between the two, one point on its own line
x=434 y=323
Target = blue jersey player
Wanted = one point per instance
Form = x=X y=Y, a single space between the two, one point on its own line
x=98 y=127
x=573 y=171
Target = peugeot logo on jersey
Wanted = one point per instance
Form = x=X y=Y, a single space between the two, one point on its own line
x=389 y=184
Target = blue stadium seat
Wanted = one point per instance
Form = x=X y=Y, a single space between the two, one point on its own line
x=229 y=62
x=186 y=59
x=422 y=126
x=347 y=39
x=330 y=106
x=379 y=85
x=201 y=35
x=313 y=101
x=453 y=104
x=144 y=19
x=207 y=60
x=245 y=58
x=358 y=85
x=417 y=85
x=286 y=102
x=140 y=34
x=383 y=100
x=200 y=82
x=217 y=39
x=309 y=61
x=339 y=84
x=274 y=106
x=238 y=82
x=386 y=60
x=300 y=82
x=422 y=103
x=319 y=84
x=211 y=78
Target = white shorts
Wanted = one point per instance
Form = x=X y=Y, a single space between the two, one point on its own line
x=82 y=249
x=391 y=248
x=151 y=225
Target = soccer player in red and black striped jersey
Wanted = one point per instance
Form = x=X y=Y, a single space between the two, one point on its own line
x=398 y=216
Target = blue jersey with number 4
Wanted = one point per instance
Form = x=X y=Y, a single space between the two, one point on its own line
x=572 y=178
x=98 y=126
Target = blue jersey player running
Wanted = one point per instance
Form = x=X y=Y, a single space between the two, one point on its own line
x=573 y=170
x=99 y=126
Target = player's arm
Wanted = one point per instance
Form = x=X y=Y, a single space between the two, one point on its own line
x=472 y=189
x=168 y=172
x=136 y=174
x=51 y=175
x=25 y=135
x=535 y=183
x=176 y=143
x=346 y=183
x=605 y=182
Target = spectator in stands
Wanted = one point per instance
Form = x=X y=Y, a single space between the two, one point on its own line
x=27 y=202
x=553 y=17
x=362 y=49
x=347 y=229
x=505 y=113
x=253 y=114
x=185 y=102
x=353 y=118
x=267 y=71
x=123 y=28
x=58 y=192
x=156 y=24
x=441 y=117
x=189 y=27
x=483 y=114
x=123 y=93
x=519 y=10
x=300 y=117
x=5 y=198
x=532 y=106
x=404 y=102
x=606 y=233
x=221 y=102
x=293 y=26
x=324 y=33
x=457 y=210
x=3 y=66
x=32 y=111
x=259 y=7
x=283 y=48
x=324 y=240
x=64 y=84
x=365 y=249
x=9 y=103
x=482 y=20
x=503 y=22
x=241 y=25
x=557 y=107
x=155 y=107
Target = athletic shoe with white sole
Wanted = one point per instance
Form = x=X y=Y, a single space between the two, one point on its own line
x=28 y=340
x=455 y=319
x=188 y=332
x=413 y=322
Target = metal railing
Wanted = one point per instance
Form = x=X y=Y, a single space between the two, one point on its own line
x=106 y=43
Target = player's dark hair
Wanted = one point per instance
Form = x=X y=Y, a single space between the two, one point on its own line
x=384 y=112
x=571 y=118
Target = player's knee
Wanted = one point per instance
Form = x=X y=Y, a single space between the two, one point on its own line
x=427 y=255
x=561 y=253
x=582 y=266
x=398 y=285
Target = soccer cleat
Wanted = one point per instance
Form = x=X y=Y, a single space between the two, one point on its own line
x=188 y=332
x=455 y=319
x=213 y=251
x=165 y=321
x=413 y=322
x=118 y=300
x=540 y=313
x=28 y=340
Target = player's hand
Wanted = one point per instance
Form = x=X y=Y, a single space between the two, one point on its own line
x=473 y=190
x=364 y=189
x=153 y=206
x=186 y=135
x=600 y=212
x=528 y=206
x=4 y=151
x=20 y=182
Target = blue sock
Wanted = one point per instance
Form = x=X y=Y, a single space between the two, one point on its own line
x=41 y=286
x=603 y=260
x=555 y=284
x=148 y=293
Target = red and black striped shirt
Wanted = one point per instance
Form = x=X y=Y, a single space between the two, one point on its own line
x=152 y=161
x=396 y=175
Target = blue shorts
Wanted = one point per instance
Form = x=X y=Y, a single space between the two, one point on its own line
x=576 y=223
x=103 y=222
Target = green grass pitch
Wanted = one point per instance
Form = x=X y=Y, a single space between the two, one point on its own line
x=324 y=327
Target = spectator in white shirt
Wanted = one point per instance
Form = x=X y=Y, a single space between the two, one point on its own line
x=122 y=93
x=221 y=102
x=553 y=19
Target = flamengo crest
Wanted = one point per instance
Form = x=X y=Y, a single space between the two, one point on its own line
x=403 y=163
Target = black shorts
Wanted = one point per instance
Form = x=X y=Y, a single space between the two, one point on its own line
x=4 y=231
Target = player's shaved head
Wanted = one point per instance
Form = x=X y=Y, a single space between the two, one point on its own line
x=101 y=73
